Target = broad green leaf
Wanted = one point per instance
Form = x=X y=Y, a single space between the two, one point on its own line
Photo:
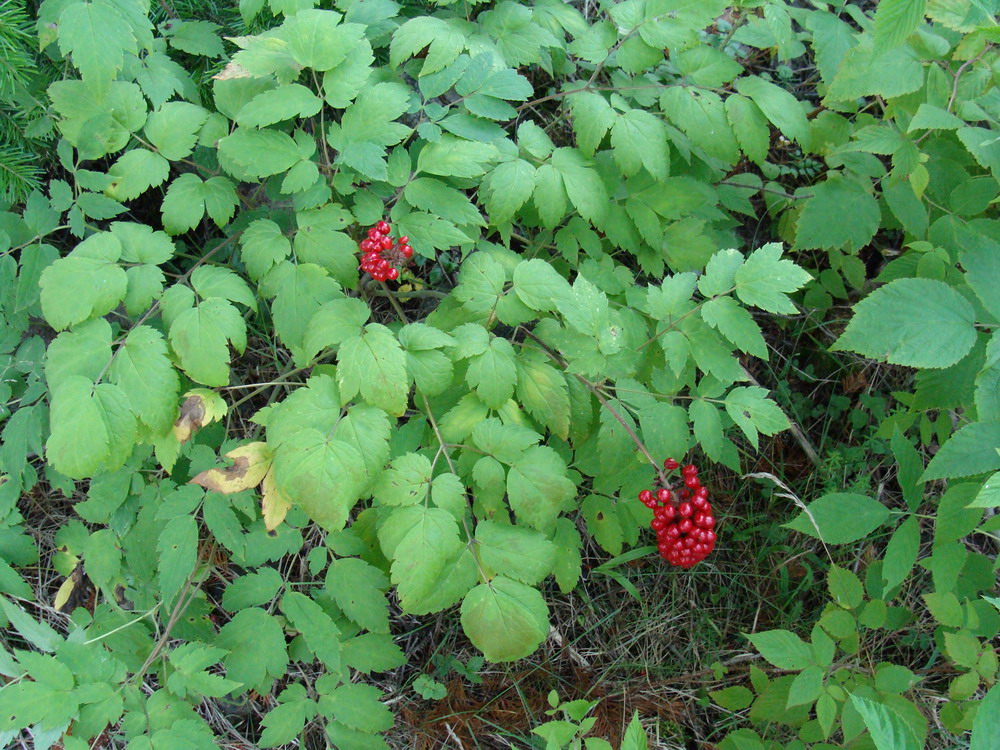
x=315 y=40
x=734 y=698
x=252 y=589
x=867 y=71
x=358 y=589
x=493 y=373
x=357 y=705
x=443 y=42
x=422 y=542
x=783 y=110
x=735 y=324
x=701 y=114
x=302 y=289
x=371 y=652
x=343 y=82
x=840 y=517
x=582 y=183
x=971 y=450
x=134 y=173
x=896 y=20
x=507 y=188
x=887 y=728
x=97 y=37
x=750 y=127
x=322 y=475
x=766 y=279
x=143 y=372
x=783 y=649
x=321 y=634
x=92 y=428
x=374 y=365
x=263 y=246
x=176 y=555
x=821 y=223
x=593 y=116
x=456 y=157
x=522 y=554
x=542 y=391
x=260 y=152
x=538 y=487
x=806 y=687
x=256 y=645
x=200 y=337
x=287 y=102
x=334 y=323
x=930 y=117
x=405 y=482
x=539 y=285
x=754 y=412
x=986 y=725
x=86 y=283
x=901 y=553
x=912 y=322
x=434 y=196
x=504 y=619
x=173 y=129
x=85 y=350
x=639 y=140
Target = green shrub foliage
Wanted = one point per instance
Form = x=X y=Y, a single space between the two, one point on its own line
x=581 y=303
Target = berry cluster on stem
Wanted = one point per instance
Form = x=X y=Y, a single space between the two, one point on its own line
x=682 y=519
x=381 y=255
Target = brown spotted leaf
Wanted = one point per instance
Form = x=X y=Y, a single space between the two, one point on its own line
x=200 y=407
x=250 y=463
x=274 y=503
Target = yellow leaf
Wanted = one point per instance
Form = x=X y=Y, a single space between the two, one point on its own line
x=200 y=407
x=250 y=464
x=64 y=592
x=274 y=503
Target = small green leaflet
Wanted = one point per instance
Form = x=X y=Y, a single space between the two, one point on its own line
x=779 y=106
x=766 y=279
x=986 y=725
x=896 y=20
x=188 y=199
x=493 y=373
x=783 y=649
x=97 y=37
x=840 y=517
x=144 y=373
x=754 y=412
x=93 y=428
x=971 y=450
x=442 y=40
x=912 y=322
x=256 y=646
x=86 y=283
x=176 y=554
x=422 y=542
x=539 y=285
x=522 y=554
x=199 y=336
x=504 y=619
x=173 y=129
x=821 y=223
x=358 y=588
x=321 y=634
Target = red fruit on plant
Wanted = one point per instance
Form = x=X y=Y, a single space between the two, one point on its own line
x=685 y=510
x=393 y=274
x=404 y=240
x=692 y=482
x=701 y=492
x=374 y=235
x=657 y=523
x=406 y=251
x=383 y=227
x=707 y=522
x=683 y=494
x=685 y=526
x=386 y=243
x=689 y=470
x=645 y=497
x=670 y=464
x=663 y=495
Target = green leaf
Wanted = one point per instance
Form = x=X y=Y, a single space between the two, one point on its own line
x=583 y=185
x=754 y=412
x=456 y=157
x=92 y=428
x=493 y=373
x=521 y=554
x=766 y=279
x=930 y=117
x=504 y=619
x=343 y=82
x=422 y=543
x=358 y=588
x=405 y=482
x=734 y=698
x=840 y=517
x=176 y=555
x=806 y=687
x=639 y=140
x=783 y=649
x=287 y=102
x=736 y=324
x=371 y=652
x=199 y=337
x=260 y=152
x=143 y=372
x=821 y=223
x=334 y=323
x=322 y=475
x=321 y=634
x=443 y=42
x=263 y=246
x=593 y=116
x=901 y=553
x=429 y=194
x=750 y=127
x=912 y=322
x=887 y=728
x=315 y=40
x=845 y=587
x=86 y=283
x=783 y=110
x=542 y=391
x=85 y=350
x=301 y=290
x=867 y=71
x=173 y=129
x=197 y=38
x=134 y=173
x=896 y=20
x=256 y=645
x=357 y=705
x=971 y=450
x=986 y=725
x=97 y=36
x=374 y=365
x=538 y=487
x=507 y=188
x=252 y=589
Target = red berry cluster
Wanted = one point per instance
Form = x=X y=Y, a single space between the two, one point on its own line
x=683 y=521
x=381 y=254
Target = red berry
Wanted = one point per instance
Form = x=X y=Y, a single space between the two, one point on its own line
x=663 y=495
x=404 y=240
x=670 y=464
x=374 y=235
x=689 y=470
x=657 y=523
x=701 y=492
x=383 y=227
x=708 y=522
x=683 y=494
x=692 y=482
x=709 y=537
x=406 y=251
x=386 y=243
x=668 y=511
x=645 y=497
x=685 y=510
x=393 y=274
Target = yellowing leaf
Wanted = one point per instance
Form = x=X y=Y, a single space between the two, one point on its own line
x=250 y=463
x=275 y=504
x=201 y=406
x=63 y=594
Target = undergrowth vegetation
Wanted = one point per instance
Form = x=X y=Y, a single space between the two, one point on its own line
x=358 y=354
